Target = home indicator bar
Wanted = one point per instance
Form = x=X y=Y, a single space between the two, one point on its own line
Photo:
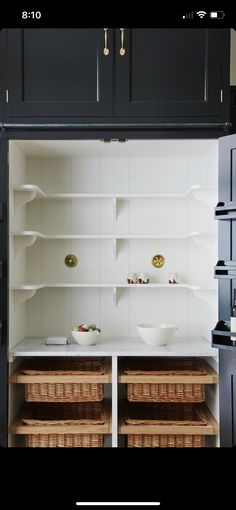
x=118 y=503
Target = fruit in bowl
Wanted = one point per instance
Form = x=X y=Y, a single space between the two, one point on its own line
x=85 y=334
x=156 y=334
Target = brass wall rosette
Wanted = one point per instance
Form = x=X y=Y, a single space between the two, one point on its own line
x=71 y=260
x=158 y=261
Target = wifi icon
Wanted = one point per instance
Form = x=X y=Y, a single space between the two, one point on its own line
x=201 y=14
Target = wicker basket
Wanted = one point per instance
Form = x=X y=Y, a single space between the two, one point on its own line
x=165 y=414
x=63 y=414
x=165 y=392
x=165 y=441
x=62 y=391
x=65 y=441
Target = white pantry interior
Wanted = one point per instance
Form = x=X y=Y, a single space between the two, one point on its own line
x=113 y=205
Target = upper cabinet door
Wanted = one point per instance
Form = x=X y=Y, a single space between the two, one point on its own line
x=59 y=73
x=170 y=73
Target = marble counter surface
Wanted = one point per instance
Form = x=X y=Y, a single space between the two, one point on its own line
x=115 y=346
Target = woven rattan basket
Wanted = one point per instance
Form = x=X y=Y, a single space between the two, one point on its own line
x=63 y=414
x=65 y=441
x=63 y=391
x=165 y=414
x=165 y=441
x=165 y=392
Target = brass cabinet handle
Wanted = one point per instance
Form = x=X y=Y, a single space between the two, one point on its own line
x=106 y=50
x=122 y=38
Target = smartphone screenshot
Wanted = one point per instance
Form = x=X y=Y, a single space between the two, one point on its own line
x=117 y=256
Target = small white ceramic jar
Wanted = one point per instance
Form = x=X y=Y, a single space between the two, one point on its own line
x=174 y=278
x=132 y=278
x=143 y=278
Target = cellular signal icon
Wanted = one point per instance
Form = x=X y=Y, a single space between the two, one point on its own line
x=201 y=14
x=190 y=15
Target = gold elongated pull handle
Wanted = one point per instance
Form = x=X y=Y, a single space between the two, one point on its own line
x=122 y=37
x=106 y=50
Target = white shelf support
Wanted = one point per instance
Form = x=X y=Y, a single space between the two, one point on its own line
x=205 y=295
x=23 y=197
x=20 y=296
x=204 y=240
x=21 y=242
x=114 y=248
x=114 y=409
x=114 y=296
x=114 y=208
x=206 y=195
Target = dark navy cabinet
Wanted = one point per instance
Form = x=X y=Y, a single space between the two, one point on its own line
x=170 y=73
x=233 y=108
x=59 y=73
x=144 y=76
x=228 y=398
x=225 y=213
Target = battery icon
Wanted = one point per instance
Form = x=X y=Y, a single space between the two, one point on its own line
x=217 y=14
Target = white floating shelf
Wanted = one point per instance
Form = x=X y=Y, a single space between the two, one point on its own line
x=111 y=285
x=24 y=292
x=108 y=346
x=28 y=192
x=38 y=194
x=26 y=238
x=32 y=233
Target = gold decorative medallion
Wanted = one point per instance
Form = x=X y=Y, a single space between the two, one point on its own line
x=71 y=260
x=158 y=261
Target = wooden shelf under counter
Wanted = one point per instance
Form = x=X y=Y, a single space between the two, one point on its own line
x=211 y=377
x=18 y=377
x=212 y=427
x=18 y=427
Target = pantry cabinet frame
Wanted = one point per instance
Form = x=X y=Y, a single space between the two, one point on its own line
x=59 y=134
x=4 y=258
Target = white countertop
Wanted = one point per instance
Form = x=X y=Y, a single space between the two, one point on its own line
x=108 y=346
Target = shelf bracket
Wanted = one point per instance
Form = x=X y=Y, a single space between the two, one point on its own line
x=114 y=296
x=114 y=248
x=20 y=296
x=206 y=295
x=206 y=196
x=23 y=197
x=205 y=241
x=23 y=242
x=114 y=209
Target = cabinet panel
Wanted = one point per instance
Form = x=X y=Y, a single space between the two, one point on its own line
x=3 y=292
x=59 y=72
x=234 y=409
x=169 y=73
x=165 y=76
x=233 y=108
x=227 y=398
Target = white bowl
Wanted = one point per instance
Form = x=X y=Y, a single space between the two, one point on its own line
x=85 y=337
x=156 y=334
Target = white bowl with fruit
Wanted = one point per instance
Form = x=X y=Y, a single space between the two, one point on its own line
x=86 y=334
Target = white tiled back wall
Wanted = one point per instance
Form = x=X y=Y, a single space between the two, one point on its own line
x=174 y=171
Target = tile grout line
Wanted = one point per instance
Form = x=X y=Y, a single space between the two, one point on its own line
x=128 y=268
x=158 y=221
x=187 y=256
x=99 y=247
